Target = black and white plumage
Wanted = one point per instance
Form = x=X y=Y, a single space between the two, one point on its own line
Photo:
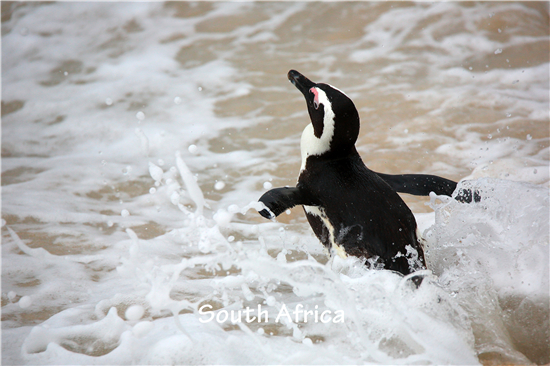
x=350 y=208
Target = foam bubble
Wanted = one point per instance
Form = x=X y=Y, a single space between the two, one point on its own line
x=141 y=329
x=134 y=312
x=222 y=218
x=233 y=208
x=190 y=183
x=270 y=301
x=143 y=140
x=155 y=171
x=25 y=302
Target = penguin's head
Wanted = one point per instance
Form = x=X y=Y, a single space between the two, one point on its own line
x=334 y=126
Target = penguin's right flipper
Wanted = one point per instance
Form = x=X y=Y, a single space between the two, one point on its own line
x=278 y=200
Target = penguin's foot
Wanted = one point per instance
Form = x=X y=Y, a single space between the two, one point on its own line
x=466 y=196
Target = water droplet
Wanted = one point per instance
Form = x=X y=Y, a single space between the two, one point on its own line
x=500 y=31
x=471 y=68
x=108 y=101
x=529 y=137
x=219 y=185
x=153 y=190
x=124 y=213
x=193 y=149
x=140 y=115
x=508 y=114
x=535 y=171
x=267 y=185
x=489 y=136
x=499 y=50
x=233 y=208
x=25 y=302
x=177 y=100
x=200 y=88
x=65 y=73
x=134 y=312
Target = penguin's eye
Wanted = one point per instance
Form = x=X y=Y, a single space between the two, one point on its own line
x=315 y=98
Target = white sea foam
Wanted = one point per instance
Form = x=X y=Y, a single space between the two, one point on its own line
x=120 y=122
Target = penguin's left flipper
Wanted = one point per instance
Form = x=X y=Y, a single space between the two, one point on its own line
x=419 y=184
x=423 y=184
x=278 y=200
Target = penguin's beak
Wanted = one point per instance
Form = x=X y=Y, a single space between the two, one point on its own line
x=302 y=83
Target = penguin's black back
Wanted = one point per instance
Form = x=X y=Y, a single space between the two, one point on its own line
x=369 y=218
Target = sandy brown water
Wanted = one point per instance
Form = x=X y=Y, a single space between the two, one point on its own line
x=434 y=93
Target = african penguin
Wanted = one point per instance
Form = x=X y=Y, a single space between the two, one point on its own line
x=350 y=208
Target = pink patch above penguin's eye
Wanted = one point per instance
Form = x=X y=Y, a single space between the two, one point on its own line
x=316 y=98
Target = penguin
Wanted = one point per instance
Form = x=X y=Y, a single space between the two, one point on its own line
x=352 y=210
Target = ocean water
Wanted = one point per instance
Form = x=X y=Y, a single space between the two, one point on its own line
x=137 y=138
